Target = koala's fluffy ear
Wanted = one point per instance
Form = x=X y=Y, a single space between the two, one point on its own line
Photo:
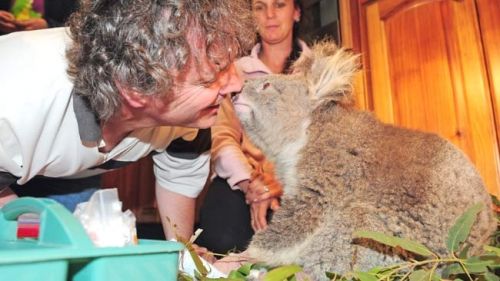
x=330 y=72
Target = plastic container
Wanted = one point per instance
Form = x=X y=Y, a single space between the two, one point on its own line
x=63 y=250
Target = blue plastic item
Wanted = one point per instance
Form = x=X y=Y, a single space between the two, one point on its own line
x=63 y=251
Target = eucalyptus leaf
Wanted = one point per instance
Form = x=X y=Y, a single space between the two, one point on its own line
x=197 y=275
x=333 y=275
x=473 y=266
x=282 y=272
x=452 y=269
x=414 y=247
x=464 y=253
x=380 y=269
x=184 y=277
x=197 y=261
x=235 y=274
x=479 y=264
x=492 y=250
x=420 y=275
x=259 y=266
x=364 y=276
x=393 y=241
x=245 y=269
x=222 y=279
x=491 y=277
x=436 y=277
x=461 y=229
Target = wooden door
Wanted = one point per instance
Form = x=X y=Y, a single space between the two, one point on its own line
x=489 y=21
x=424 y=68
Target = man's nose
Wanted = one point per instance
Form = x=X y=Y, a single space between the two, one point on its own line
x=232 y=81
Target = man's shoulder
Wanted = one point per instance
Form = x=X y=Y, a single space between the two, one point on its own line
x=41 y=50
x=36 y=38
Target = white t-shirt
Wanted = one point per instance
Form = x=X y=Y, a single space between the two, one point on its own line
x=47 y=130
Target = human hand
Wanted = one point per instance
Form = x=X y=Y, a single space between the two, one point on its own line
x=258 y=212
x=7 y=22
x=32 y=24
x=262 y=187
x=262 y=194
x=232 y=262
x=204 y=253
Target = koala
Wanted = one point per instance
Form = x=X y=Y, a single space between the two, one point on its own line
x=343 y=170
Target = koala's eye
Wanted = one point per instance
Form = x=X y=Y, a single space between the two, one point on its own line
x=266 y=85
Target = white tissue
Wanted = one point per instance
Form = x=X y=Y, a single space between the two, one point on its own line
x=187 y=265
x=104 y=221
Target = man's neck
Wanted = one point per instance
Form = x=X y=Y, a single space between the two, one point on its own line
x=115 y=129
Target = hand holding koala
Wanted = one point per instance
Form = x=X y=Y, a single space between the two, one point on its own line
x=342 y=170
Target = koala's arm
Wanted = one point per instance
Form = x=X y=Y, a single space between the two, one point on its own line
x=229 y=160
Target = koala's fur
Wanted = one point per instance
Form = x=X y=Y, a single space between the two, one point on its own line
x=343 y=171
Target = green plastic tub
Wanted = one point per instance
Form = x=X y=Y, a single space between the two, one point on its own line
x=63 y=251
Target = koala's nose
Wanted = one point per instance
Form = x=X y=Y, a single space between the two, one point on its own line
x=234 y=97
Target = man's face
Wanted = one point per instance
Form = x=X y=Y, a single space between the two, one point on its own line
x=198 y=92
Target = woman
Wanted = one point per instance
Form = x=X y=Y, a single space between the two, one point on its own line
x=245 y=187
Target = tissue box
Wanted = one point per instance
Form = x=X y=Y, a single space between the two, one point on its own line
x=63 y=251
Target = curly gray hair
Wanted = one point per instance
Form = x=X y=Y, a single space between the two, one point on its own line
x=138 y=44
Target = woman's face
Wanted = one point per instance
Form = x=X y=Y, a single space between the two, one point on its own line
x=275 y=19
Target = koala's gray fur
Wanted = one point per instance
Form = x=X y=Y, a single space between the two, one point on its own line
x=343 y=171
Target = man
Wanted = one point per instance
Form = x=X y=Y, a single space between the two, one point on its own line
x=128 y=78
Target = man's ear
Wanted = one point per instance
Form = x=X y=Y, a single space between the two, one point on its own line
x=132 y=98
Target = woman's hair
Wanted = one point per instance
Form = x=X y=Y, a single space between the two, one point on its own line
x=138 y=44
x=296 y=49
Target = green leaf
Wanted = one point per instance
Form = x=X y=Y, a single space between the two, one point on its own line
x=259 y=266
x=491 y=249
x=197 y=275
x=461 y=229
x=222 y=279
x=333 y=275
x=393 y=241
x=474 y=265
x=420 y=275
x=197 y=261
x=235 y=274
x=464 y=253
x=364 y=276
x=381 y=269
x=452 y=269
x=480 y=264
x=245 y=269
x=436 y=277
x=182 y=276
x=414 y=247
x=492 y=259
x=491 y=277
x=282 y=272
